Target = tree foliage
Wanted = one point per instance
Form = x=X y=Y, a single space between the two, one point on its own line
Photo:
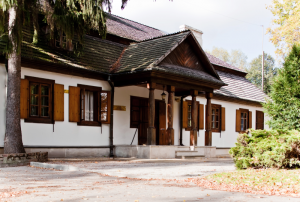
x=286 y=25
x=267 y=149
x=283 y=107
x=236 y=57
x=255 y=73
x=64 y=16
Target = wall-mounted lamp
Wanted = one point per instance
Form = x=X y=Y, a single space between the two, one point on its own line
x=177 y=99
x=163 y=95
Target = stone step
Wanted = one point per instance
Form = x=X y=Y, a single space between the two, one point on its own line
x=186 y=153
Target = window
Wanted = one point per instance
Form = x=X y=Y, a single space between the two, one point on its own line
x=243 y=120
x=105 y=107
x=215 y=117
x=188 y=115
x=40 y=100
x=90 y=105
x=61 y=42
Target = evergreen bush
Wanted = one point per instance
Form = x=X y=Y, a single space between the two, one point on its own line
x=267 y=149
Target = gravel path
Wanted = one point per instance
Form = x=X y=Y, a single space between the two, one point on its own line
x=155 y=169
x=27 y=184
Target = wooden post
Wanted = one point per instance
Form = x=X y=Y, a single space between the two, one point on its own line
x=208 y=134
x=170 y=130
x=151 y=132
x=193 y=133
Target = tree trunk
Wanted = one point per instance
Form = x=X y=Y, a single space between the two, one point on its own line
x=13 y=136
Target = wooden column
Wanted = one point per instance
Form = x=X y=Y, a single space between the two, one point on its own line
x=170 y=130
x=208 y=134
x=193 y=133
x=151 y=132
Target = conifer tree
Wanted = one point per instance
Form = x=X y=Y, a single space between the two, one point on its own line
x=65 y=16
x=283 y=107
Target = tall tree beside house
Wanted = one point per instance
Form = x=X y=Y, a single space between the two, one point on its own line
x=254 y=72
x=285 y=30
x=67 y=17
x=283 y=107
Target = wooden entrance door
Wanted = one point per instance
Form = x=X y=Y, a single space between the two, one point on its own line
x=139 y=119
x=142 y=131
x=160 y=123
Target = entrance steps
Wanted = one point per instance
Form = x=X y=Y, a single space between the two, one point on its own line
x=187 y=154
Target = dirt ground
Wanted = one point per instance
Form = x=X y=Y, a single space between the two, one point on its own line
x=34 y=184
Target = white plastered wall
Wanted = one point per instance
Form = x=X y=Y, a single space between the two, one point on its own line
x=65 y=133
x=3 y=78
x=69 y=134
x=228 y=137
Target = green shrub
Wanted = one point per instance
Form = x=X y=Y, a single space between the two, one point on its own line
x=267 y=149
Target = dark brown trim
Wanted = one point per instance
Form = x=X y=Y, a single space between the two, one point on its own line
x=235 y=100
x=46 y=120
x=62 y=69
x=215 y=130
x=89 y=123
x=91 y=88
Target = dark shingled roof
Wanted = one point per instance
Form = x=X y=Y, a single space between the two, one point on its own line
x=216 y=61
x=129 y=29
x=142 y=55
x=240 y=87
x=98 y=54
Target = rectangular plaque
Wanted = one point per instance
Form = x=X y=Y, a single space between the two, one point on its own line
x=119 y=108
x=66 y=91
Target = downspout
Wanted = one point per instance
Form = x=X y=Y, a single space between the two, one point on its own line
x=111 y=126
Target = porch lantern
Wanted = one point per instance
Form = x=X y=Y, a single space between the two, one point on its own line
x=163 y=95
x=177 y=99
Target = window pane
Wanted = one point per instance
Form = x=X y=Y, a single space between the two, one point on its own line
x=103 y=97
x=242 y=125
x=213 y=125
x=217 y=118
x=217 y=124
x=190 y=123
x=34 y=89
x=103 y=116
x=213 y=117
x=45 y=90
x=34 y=100
x=213 y=111
x=104 y=106
x=87 y=106
x=45 y=101
x=245 y=115
x=91 y=95
x=45 y=111
x=34 y=111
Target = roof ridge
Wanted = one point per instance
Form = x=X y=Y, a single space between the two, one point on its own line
x=232 y=67
x=166 y=35
x=135 y=22
x=106 y=41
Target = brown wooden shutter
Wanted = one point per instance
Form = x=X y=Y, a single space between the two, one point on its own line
x=58 y=102
x=24 y=99
x=184 y=114
x=74 y=104
x=238 y=121
x=223 y=120
x=201 y=116
x=108 y=107
x=259 y=120
x=250 y=119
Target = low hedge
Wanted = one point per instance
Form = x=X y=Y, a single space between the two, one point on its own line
x=267 y=149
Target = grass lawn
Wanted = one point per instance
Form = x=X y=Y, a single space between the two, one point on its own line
x=259 y=181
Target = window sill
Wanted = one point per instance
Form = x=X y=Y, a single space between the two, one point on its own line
x=89 y=123
x=39 y=120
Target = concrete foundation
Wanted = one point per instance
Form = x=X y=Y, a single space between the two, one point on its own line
x=162 y=152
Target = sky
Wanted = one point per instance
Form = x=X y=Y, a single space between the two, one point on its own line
x=228 y=24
